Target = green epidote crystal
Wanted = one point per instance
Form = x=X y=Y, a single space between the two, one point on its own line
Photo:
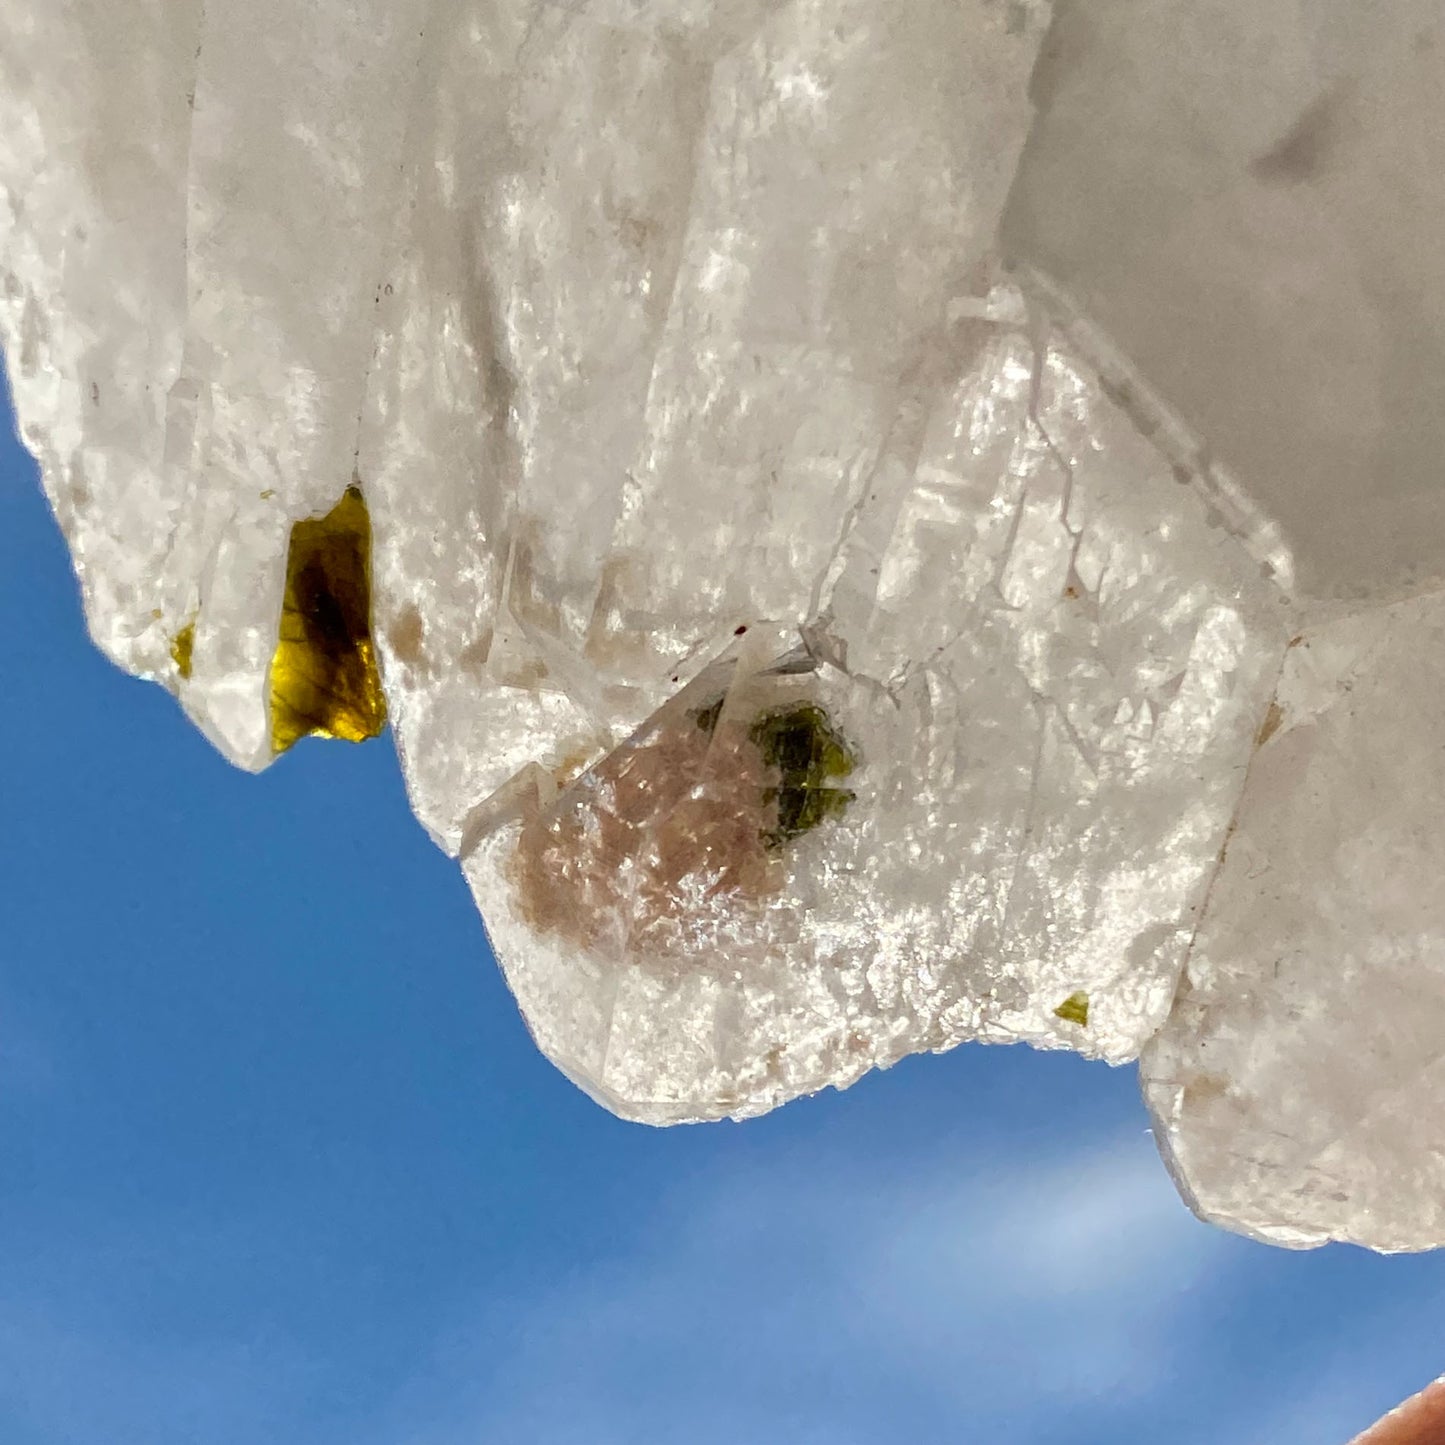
x=324 y=674
x=706 y=718
x=1074 y=1009
x=809 y=753
x=183 y=646
x=801 y=743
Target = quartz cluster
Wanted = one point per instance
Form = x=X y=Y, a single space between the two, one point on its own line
x=873 y=525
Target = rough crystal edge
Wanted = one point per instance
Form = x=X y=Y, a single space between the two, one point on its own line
x=1259 y=534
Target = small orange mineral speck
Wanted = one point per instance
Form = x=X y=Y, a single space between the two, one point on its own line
x=1273 y=721
x=405 y=636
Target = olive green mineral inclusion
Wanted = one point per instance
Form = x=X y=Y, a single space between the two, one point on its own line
x=324 y=675
x=1074 y=1009
x=809 y=754
x=183 y=647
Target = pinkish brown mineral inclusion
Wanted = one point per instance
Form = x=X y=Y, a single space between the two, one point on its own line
x=683 y=830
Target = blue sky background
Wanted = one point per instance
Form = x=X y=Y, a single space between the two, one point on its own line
x=279 y=1163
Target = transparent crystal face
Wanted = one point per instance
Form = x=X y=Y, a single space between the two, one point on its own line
x=823 y=492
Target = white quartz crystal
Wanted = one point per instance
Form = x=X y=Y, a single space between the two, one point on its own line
x=1051 y=666
x=842 y=480
x=667 y=283
x=1299 y=1084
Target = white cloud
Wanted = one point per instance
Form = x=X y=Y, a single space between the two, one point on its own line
x=847 y=1304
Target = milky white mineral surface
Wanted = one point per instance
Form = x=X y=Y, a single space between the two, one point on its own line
x=842 y=480
x=1301 y=1077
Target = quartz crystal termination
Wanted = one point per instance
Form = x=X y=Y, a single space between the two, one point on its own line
x=1299 y=1083
x=1050 y=667
x=1252 y=216
x=817 y=644
x=199 y=200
